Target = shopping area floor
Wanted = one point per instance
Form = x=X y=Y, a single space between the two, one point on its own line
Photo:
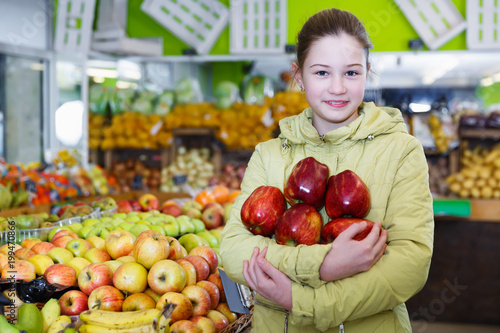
x=453 y=328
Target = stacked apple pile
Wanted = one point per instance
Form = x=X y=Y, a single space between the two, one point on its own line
x=124 y=272
x=308 y=189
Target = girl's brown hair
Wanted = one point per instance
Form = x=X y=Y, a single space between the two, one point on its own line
x=330 y=22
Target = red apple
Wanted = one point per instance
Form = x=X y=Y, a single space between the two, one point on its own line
x=204 y=324
x=42 y=247
x=184 y=326
x=23 y=254
x=135 y=205
x=73 y=302
x=64 y=232
x=97 y=255
x=165 y=276
x=9 y=248
x=27 y=243
x=173 y=210
x=18 y=270
x=262 y=209
x=332 y=229
x=347 y=196
x=60 y=274
x=307 y=183
x=106 y=298
x=175 y=248
x=131 y=277
x=201 y=266
x=300 y=224
x=200 y=299
x=62 y=241
x=189 y=270
x=149 y=202
x=207 y=253
x=138 y=301
x=94 y=276
x=183 y=309
x=119 y=243
x=212 y=215
x=212 y=290
x=220 y=321
x=150 y=247
x=216 y=279
x=226 y=311
x=123 y=206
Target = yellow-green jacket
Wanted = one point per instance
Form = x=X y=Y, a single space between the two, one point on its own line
x=378 y=148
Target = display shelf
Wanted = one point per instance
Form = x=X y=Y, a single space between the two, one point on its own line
x=152 y=158
x=480 y=133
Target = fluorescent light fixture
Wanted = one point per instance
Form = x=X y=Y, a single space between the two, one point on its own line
x=37 y=66
x=125 y=85
x=420 y=107
x=98 y=79
x=489 y=80
x=69 y=121
x=109 y=73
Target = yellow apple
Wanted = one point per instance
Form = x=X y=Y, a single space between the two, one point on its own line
x=97 y=242
x=131 y=277
x=113 y=264
x=41 y=263
x=60 y=255
x=78 y=263
x=119 y=243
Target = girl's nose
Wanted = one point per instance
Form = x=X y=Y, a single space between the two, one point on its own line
x=337 y=86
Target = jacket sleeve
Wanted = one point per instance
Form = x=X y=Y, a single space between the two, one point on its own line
x=398 y=275
x=300 y=263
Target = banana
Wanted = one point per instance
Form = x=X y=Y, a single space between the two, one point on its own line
x=119 y=320
x=59 y=324
x=29 y=318
x=90 y=328
x=50 y=311
x=6 y=327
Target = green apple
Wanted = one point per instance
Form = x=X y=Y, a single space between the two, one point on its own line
x=133 y=213
x=211 y=239
x=75 y=227
x=155 y=212
x=158 y=228
x=89 y=222
x=144 y=215
x=190 y=241
x=113 y=227
x=138 y=228
x=104 y=233
x=126 y=225
x=84 y=231
x=199 y=226
x=117 y=221
x=96 y=231
x=133 y=218
x=191 y=204
x=122 y=216
x=171 y=228
x=185 y=224
x=78 y=246
x=217 y=232
x=168 y=218
x=154 y=219
x=227 y=210
x=60 y=255
x=106 y=219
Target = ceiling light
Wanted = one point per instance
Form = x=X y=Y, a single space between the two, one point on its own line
x=420 y=107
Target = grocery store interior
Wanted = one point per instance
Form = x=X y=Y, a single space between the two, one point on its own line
x=121 y=98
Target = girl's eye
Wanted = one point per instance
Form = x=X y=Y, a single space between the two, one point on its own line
x=351 y=73
x=322 y=73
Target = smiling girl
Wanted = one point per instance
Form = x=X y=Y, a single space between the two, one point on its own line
x=349 y=285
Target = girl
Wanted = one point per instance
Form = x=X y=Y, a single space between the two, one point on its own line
x=356 y=286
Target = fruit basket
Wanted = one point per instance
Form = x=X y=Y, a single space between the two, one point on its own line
x=17 y=236
x=241 y=325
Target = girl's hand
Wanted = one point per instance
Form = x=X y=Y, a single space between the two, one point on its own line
x=348 y=256
x=267 y=280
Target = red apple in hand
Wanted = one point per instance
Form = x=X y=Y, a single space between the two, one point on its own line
x=307 y=183
x=149 y=202
x=332 y=229
x=300 y=224
x=262 y=209
x=73 y=302
x=347 y=196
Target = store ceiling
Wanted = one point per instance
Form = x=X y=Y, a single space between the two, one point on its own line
x=454 y=68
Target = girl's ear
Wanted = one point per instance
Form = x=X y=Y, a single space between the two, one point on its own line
x=296 y=74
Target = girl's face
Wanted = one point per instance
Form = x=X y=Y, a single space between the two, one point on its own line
x=334 y=78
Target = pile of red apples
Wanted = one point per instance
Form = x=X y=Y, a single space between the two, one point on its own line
x=309 y=188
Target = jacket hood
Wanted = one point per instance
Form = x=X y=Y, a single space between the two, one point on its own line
x=372 y=121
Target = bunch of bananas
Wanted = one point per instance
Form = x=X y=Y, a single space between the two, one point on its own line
x=151 y=320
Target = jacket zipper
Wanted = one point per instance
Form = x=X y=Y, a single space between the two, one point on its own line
x=277 y=309
x=341 y=328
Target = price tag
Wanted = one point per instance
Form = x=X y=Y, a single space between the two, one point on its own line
x=180 y=179
x=137 y=183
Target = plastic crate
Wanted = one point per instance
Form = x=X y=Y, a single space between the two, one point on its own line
x=258 y=26
x=483 y=19
x=17 y=236
x=74 y=25
x=436 y=21
x=198 y=23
